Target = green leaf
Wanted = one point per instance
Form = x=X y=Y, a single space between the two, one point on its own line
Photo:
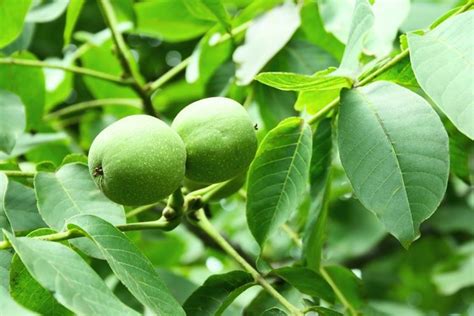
x=74 y=283
x=28 y=292
x=217 y=292
x=45 y=11
x=401 y=73
x=212 y=10
x=169 y=20
x=323 y=311
x=394 y=150
x=362 y=21
x=206 y=59
x=69 y=192
x=20 y=207
x=277 y=177
x=274 y=311
x=274 y=105
x=451 y=281
x=313 y=27
x=349 y=287
x=295 y=82
x=8 y=306
x=442 y=62
x=101 y=58
x=461 y=151
x=307 y=281
x=12 y=16
x=72 y=14
x=13 y=79
x=388 y=17
x=321 y=157
x=12 y=120
x=266 y=35
x=130 y=266
x=314 y=101
x=4 y=223
x=28 y=142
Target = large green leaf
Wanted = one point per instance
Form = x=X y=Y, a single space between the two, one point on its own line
x=442 y=62
x=28 y=292
x=288 y=81
x=217 y=292
x=307 y=281
x=264 y=38
x=12 y=120
x=278 y=176
x=169 y=20
x=394 y=150
x=27 y=142
x=28 y=84
x=129 y=265
x=71 y=191
x=20 y=207
x=362 y=21
x=12 y=16
x=321 y=156
x=74 y=283
x=348 y=286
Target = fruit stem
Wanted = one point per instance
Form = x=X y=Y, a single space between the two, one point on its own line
x=202 y=222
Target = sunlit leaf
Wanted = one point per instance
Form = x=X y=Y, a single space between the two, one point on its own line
x=12 y=120
x=442 y=62
x=12 y=15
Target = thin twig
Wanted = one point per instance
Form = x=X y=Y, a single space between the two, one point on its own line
x=75 y=69
x=338 y=292
x=203 y=223
x=92 y=104
x=152 y=86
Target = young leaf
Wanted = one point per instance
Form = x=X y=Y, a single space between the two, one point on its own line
x=209 y=10
x=69 y=192
x=32 y=94
x=307 y=281
x=28 y=292
x=295 y=82
x=362 y=21
x=442 y=62
x=46 y=11
x=12 y=16
x=12 y=120
x=74 y=283
x=394 y=150
x=217 y=292
x=277 y=177
x=129 y=265
x=72 y=14
x=264 y=38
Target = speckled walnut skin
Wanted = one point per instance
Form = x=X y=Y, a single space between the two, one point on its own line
x=137 y=160
x=219 y=137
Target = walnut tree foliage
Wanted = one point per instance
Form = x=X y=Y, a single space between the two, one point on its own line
x=359 y=200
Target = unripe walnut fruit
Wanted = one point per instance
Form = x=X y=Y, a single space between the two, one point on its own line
x=137 y=160
x=219 y=137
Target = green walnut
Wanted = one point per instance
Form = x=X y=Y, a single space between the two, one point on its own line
x=137 y=160
x=219 y=137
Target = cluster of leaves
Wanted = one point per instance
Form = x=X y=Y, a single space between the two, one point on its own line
x=363 y=136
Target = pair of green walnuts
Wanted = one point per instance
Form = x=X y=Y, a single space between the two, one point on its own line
x=140 y=160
